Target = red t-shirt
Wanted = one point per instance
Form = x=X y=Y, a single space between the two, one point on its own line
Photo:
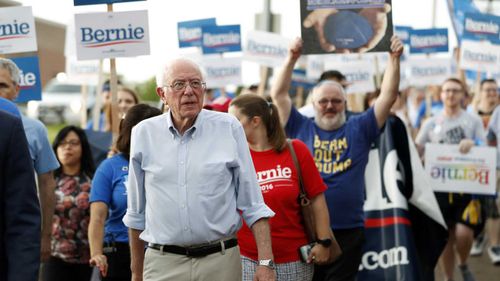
x=279 y=183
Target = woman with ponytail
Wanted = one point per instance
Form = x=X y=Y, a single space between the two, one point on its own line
x=279 y=182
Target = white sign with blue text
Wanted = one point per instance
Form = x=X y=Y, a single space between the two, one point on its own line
x=265 y=48
x=29 y=79
x=359 y=74
x=110 y=35
x=479 y=56
x=425 y=41
x=220 y=72
x=17 y=30
x=421 y=72
x=221 y=39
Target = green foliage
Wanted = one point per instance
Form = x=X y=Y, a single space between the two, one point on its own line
x=147 y=90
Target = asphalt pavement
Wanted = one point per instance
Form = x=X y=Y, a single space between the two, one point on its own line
x=481 y=267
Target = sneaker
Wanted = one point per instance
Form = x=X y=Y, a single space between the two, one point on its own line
x=494 y=253
x=478 y=245
x=466 y=274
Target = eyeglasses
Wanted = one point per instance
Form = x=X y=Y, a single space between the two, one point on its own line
x=71 y=143
x=181 y=85
x=325 y=102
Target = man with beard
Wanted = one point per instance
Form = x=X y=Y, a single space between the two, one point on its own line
x=340 y=149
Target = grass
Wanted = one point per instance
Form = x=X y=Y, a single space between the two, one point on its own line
x=53 y=129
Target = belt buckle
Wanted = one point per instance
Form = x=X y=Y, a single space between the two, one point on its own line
x=195 y=252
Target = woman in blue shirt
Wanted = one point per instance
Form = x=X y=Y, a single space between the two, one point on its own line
x=108 y=236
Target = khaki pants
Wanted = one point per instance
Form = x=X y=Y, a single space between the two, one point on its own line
x=160 y=266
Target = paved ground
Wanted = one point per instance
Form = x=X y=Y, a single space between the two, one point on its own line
x=481 y=267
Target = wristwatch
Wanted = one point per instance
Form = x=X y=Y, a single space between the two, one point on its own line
x=268 y=263
x=324 y=242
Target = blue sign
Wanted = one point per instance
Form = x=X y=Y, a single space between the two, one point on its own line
x=457 y=10
x=299 y=79
x=425 y=41
x=31 y=88
x=403 y=32
x=189 y=32
x=479 y=27
x=93 y=2
x=220 y=39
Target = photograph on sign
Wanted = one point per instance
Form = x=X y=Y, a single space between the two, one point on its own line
x=422 y=72
x=29 y=79
x=221 y=39
x=266 y=48
x=94 y=2
x=452 y=171
x=340 y=26
x=360 y=75
x=17 y=32
x=220 y=72
x=479 y=27
x=426 y=41
x=189 y=32
x=110 y=35
x=479 y=56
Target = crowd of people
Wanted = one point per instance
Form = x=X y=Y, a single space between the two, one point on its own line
x=189 y=193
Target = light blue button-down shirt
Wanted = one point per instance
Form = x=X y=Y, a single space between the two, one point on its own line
x=187 y=190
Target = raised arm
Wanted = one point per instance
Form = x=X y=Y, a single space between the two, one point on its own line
x=390 y=83
x=280 y=88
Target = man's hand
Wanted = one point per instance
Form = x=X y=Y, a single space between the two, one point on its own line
x=319 y=255
x=465 y=145
x=295 y=50
x=264 y=273
x=101 y=262
x=317 y=18
x=45 y=249
x=377 y=17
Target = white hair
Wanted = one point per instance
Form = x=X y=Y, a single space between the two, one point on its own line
x=336 y=84
x=165 y=72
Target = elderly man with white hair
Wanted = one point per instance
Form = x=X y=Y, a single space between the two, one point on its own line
x=340 y=149
x=190 y=176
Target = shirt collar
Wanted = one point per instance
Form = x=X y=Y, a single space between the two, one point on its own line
x=191 y=132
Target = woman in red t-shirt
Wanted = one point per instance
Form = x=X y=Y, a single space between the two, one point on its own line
x=279 y=183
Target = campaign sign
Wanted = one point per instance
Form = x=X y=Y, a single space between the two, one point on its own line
x=189 y=32
x=92 y=2
x=314 y=66
x=82 y=72
x=17 y=30
x=359 y=74
x=403 y=32
x=340 y=26
x=109 y=35
x=265 y=48
x=221 y=39
x=425 y=41
x=422 y=72
x=220 y=72
x=300 y=79
x=451 y=171
x=482 y=27
x=479 y=56
x=31 y=87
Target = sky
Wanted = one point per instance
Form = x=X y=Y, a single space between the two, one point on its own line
x=164 y=15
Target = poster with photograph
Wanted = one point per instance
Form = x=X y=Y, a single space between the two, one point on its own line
x=346 y=26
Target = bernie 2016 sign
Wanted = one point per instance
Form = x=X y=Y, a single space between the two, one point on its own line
x=482 y=27
x=221 y=39
x=190 y=33
x=109 y=35
x=30 y=84
x=425 y=41
x=92 y=2
x=17 y=30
